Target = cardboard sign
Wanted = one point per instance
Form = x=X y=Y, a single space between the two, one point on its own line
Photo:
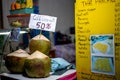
x=42 y=22
x=97 y=33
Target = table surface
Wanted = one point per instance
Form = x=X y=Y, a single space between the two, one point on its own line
x=51 y=77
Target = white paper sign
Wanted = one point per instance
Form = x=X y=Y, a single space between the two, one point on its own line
x=42 y=22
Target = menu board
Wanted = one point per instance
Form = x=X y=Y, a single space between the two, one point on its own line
x=97 y=30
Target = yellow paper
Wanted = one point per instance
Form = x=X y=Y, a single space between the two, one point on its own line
x=97 y=30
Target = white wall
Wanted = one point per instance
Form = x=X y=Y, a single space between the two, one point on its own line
x=62 y=9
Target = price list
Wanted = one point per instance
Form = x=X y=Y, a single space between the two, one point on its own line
x=97 y=25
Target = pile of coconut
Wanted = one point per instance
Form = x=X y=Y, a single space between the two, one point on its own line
x=34 y=64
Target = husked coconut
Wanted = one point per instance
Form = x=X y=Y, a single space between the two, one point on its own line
x=15 y=61
x=40 y=43
x=37 y=65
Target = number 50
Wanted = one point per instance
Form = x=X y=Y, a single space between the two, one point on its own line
x=40 y=25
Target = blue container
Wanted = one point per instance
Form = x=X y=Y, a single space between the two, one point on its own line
x=22 y=11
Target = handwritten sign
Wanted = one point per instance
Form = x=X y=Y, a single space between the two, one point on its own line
x=43 y=22
x=97 y=24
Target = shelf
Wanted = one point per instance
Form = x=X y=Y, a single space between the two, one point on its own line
x=18 y=15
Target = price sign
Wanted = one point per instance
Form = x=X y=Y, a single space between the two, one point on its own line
x=43 y=22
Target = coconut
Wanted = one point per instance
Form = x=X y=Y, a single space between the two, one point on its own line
x=40 y=43
x=37 y=65
x=15 y=61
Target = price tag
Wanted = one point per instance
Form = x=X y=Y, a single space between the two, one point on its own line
x=43 y=22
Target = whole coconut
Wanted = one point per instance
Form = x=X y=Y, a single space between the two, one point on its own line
x=15 y=61
x=40 y=43
x=37 y=65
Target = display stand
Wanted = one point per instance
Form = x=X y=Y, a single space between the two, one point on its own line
x=22 y=19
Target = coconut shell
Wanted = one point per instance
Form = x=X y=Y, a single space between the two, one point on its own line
x=15 y=61
x=37 y=65
x=40 y=43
